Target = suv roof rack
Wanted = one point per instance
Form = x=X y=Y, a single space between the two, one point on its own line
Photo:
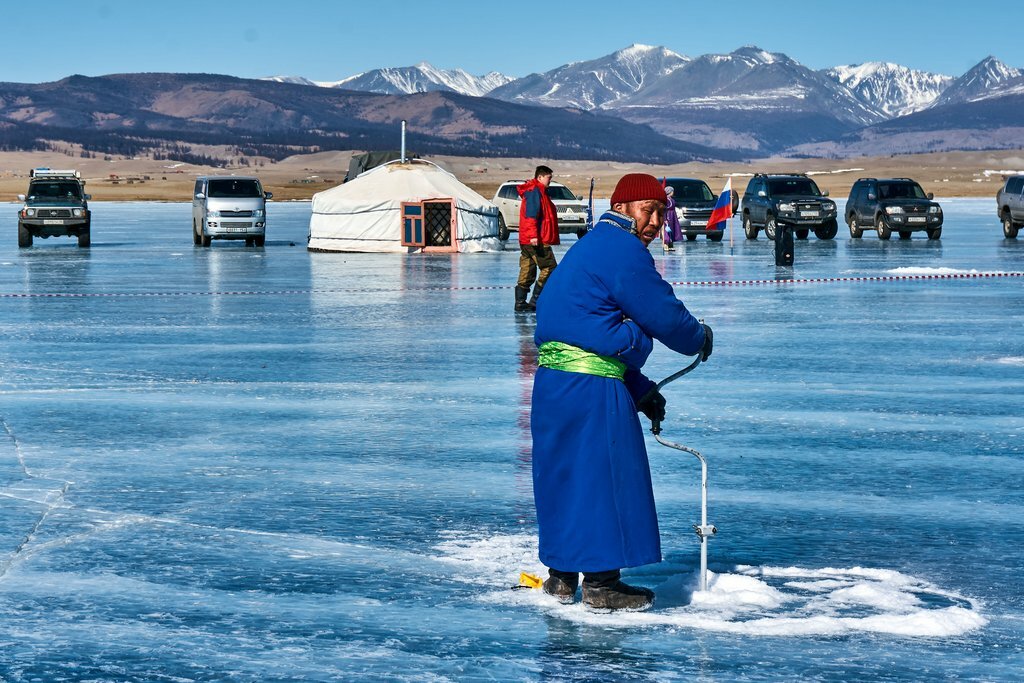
x=53 y=173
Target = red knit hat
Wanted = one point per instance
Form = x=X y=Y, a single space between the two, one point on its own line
x=637 y=187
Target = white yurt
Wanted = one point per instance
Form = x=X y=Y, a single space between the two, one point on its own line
x=403 y=207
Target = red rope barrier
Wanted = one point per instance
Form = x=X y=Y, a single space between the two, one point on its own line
x=682 y=283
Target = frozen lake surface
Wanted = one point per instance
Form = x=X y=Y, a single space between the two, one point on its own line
x=269 y=465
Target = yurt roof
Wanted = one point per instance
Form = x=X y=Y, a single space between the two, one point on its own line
x=409 y=181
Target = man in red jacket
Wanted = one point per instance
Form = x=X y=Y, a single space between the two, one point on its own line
x=538 y=230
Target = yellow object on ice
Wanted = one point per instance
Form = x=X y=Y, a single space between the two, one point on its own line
x=530 y=581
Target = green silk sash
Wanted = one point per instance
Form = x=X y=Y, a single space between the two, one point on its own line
x=569 y=358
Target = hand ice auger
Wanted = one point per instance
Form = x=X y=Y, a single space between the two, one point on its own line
x=704 y=530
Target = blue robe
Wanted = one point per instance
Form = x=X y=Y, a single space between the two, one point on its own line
x=591 y=478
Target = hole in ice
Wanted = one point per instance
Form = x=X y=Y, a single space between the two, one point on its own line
x=770 y=601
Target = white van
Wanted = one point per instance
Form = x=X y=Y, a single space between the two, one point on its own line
x=229 y=208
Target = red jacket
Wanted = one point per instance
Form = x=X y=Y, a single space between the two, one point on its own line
x=537 y=215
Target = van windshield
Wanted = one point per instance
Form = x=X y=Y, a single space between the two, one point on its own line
x=54 y=191
x=691 y=191
x=231 y=187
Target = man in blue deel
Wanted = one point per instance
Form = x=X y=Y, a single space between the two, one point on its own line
x=602 y=308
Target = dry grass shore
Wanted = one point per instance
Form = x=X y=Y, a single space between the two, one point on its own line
x=952 y=174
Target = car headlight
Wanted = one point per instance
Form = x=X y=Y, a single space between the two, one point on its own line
x=933 y=209
x=258 y=213
x=30 y=212
x=77 y=213
x=893 y=209
x=829 y=206
x=786 y=207
x=213 y=214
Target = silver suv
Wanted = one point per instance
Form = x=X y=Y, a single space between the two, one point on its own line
x=229 y=208
x=1010 y=204
x=572 y=214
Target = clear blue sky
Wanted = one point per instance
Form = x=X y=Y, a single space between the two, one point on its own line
x=332 y=40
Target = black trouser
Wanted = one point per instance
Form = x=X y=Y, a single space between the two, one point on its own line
x=595 y=579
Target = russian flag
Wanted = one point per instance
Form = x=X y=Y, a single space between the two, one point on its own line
x=723 y=208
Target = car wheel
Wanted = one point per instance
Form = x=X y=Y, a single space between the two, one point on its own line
x=205 y=240
x=250 y=241
x=260 y=241
x=827 y=231
x=770 y=226
x=1009 y=227
x=716 y=236
x=196 y=240
x=503 y=233
x=85 y=238
x=935 y=233
x=884 y=231
x=24 y=236
x=802 y=234
x=691 y=237
x=904 y=234
x=855 y=231
x=748 y=228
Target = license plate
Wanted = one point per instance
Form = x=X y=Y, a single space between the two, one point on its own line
x=916 y=219
x=698 y=223
x=53 y=221
x=809 y=214
x=237 y=229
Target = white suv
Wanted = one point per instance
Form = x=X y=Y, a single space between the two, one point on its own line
x=572 y=214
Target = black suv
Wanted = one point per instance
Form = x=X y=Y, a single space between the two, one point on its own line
x=56 y=204
x=892 y=204
x=792 y=200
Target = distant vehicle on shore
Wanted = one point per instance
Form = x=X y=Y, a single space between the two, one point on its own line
x=572 y=214
x=791 y=200
x=55 y=205
x=229 y=208
x=1010 y=204
x=892 y=204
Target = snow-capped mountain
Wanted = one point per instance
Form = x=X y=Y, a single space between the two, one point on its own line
x=406 y=80
x=983 y=80
x=752 y=79
x=294 y=80
x=890 y=88
x=594 y=83
x=422 y=77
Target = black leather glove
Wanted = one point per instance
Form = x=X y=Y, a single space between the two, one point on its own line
x=653 y=406
x=709 y=342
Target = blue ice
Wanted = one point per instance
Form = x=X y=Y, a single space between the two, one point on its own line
x=269 y=465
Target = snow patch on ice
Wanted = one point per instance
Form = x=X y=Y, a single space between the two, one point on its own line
x=1011 y=360
x=760 y=601
x=922 y=270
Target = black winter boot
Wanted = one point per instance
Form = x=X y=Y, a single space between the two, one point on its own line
x=521 y=305
x=536 y=295
x=605 y=590
x=562 y=585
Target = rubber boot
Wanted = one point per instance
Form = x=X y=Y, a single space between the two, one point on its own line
x=521 y=305
x=606 y=591
x=536 y=295
x=562 y=585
